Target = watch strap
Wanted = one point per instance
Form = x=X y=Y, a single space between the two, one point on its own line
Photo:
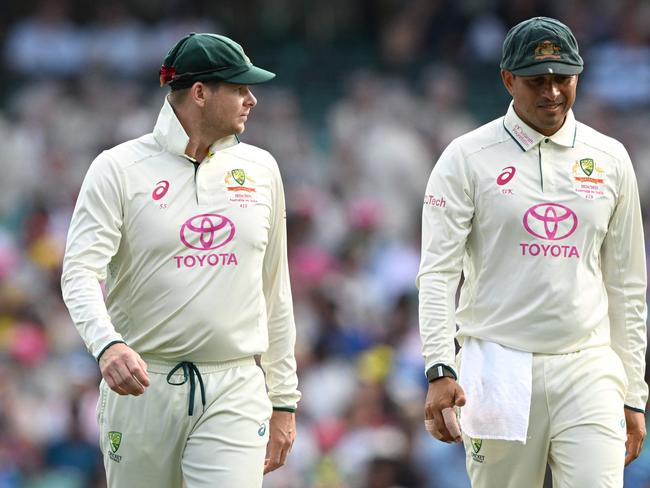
x=440 y=370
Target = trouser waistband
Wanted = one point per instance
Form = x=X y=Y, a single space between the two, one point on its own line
x=192 y=372
x=155 y=365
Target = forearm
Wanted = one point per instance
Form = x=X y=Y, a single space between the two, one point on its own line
x=83 y=296
x=437 y=318
x=279 y=361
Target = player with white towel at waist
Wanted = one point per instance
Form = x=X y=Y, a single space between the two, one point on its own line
x=541 y=215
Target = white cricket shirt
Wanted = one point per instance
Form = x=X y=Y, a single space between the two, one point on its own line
x=194 y=256
x=548 y=234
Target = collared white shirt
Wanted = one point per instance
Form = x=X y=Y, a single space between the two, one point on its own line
x=548 y=234
x=194 y=256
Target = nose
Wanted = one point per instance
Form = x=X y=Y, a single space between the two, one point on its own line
x=250 y=100
x=551 y=90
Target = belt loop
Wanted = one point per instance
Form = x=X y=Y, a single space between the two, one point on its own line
x=189 y=371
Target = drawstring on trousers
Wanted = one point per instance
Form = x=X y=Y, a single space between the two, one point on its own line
x=189 y=372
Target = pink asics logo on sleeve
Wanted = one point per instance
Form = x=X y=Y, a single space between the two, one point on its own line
x=550 y=221
x=207 y=231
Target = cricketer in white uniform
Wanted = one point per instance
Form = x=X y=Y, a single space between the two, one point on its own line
x=186 y=225
x=541 y=214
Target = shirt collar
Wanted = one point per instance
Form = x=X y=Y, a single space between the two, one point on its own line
x=171 y=135
x=526 y=137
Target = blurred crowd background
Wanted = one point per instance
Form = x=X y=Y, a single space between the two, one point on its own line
x=367 y=95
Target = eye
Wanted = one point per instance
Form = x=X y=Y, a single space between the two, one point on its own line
x=536 y=81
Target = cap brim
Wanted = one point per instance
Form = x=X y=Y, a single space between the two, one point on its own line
x=252 y=76
x=550 y=68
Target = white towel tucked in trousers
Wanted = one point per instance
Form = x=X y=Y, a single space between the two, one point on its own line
x=497 y=381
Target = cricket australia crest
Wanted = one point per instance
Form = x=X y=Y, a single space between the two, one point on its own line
x=114 y=441
x=476 y=448
x=587 y=166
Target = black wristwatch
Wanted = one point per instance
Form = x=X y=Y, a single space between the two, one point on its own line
x=438 y=371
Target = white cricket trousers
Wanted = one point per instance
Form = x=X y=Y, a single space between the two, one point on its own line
x=151 y=441
x=577 y=425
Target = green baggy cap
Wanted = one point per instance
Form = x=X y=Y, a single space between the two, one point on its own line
x=539 y=46
x=205 y=57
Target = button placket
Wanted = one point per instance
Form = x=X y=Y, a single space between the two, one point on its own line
x=547 y=155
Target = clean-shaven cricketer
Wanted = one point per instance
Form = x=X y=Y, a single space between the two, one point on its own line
x=541 y=214
x=187 y=227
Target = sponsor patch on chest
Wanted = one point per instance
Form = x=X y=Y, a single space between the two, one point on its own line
x=207 y=233
x=550 y=223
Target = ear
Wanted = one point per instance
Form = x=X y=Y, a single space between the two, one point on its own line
x=508 y=79
x=198 y=93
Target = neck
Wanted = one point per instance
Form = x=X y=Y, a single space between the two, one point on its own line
x=197 y=148
x=200 y=141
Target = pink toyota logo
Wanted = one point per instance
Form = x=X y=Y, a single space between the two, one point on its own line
x=550 y=221
x=207 y=231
